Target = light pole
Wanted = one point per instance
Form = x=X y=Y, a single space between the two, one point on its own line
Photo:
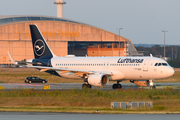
x=164 y=42
x=119 y=39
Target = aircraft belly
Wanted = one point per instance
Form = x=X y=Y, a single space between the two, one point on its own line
x=69 y=75
x=136 y=75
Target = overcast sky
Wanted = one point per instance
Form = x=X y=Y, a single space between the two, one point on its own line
x=142 y=20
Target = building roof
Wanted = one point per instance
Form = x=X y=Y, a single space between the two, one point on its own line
x=7 y=19
x=20 y=18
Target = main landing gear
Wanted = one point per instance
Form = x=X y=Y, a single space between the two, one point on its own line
x=151 y=84
x=86 y=86
x=117 y=86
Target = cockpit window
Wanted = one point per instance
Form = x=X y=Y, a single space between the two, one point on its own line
x=159 y=64
x=164 y=64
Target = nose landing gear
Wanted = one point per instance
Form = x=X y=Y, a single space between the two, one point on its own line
x=151 y=84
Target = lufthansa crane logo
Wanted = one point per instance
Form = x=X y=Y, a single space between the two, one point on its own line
x=39 y=47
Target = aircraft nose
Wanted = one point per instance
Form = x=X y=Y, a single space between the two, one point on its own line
x=171 y=71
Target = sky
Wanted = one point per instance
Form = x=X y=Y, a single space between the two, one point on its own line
x=142 y=20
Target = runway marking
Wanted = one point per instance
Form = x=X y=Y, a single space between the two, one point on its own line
x=46 y=87
x=25 y=84
x=1 y=87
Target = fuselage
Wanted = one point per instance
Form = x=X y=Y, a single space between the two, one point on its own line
x=123 y=68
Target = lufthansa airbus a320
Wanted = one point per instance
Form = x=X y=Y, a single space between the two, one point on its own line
x=97 y=71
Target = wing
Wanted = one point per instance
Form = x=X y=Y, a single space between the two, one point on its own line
x=78 y=72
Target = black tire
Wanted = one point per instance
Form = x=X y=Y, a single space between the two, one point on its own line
x=84 y=85
x=119 y=86
x=114 y=86
x=89 y=86
x=153 y=87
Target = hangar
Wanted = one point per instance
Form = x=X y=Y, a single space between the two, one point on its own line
x=64 y=37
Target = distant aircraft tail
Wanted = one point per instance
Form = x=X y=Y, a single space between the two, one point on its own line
x=11 y=58
x=40 y=46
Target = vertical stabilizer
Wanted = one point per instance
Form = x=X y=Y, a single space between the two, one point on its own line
x=40 y=46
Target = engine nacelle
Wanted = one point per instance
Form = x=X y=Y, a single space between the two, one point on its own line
x=98 y=80
x=142 y=83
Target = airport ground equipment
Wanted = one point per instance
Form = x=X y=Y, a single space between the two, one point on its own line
x=131 y=105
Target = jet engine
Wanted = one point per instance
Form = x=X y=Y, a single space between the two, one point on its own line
x=98 y=80
x=142 y=83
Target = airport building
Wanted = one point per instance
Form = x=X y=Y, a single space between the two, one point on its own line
x=64 y=37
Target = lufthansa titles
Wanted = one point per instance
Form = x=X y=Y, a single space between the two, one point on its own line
x=129 y=60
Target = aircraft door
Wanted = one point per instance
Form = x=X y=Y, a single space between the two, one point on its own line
x=145 y=65
x=104 y=65
x=107 y=65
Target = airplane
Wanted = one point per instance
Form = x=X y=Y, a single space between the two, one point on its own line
x=97 y=71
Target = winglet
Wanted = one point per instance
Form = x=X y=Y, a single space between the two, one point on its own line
x=11 y=58
x=151 y=55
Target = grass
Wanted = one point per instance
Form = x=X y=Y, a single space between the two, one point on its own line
x=85 y=100
x=17 y=75
x=88 y=100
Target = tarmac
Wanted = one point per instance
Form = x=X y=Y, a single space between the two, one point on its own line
x=67 y=86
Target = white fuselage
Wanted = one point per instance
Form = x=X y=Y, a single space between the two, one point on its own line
x=123 y=68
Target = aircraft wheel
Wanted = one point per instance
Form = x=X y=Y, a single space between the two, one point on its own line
x=89 y=86
x=86 y=86
x=115 y=86
x=153 y=87
x=119 y=86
